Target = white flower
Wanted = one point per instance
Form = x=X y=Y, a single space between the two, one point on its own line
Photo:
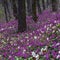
x=15 y=44
x=37 y=57
x=10 y=27
x=42 y=31
x=53 y=27
x=38 y=30
x=57 y=44
x=27 y=40
x=2 y=29
x=59 y=52
x=33 y=32
x=33 y=54
x=29 y=45
x=45 y=26
x=30 y=33
x=21 y=40
x=58 y=56
x=10 y=56
x=55 y=21
x=26 y=37
x=50 y=25
x=35 y=37
x=47 y=38
x=18 y=47
x=53 y=31
x=24 y=51
x=43 y=49
x=39 y=34
x=59 y=30
x=40 y=53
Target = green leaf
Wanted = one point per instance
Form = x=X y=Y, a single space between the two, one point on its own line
x=16 y=58
x=19 y=58
x=42 y=58
x=58 y=25
x=30 y=58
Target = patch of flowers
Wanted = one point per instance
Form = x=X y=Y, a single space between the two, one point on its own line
x=41 y=43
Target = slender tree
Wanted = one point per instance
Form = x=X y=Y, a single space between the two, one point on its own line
x=6 y=16
x=38 y=5
x=5 y=5
x=21 y=16
x=29 y=7
x=14 y=7
x=43 y=4
x=34 y=10
x=54 y=5
x=47 y=3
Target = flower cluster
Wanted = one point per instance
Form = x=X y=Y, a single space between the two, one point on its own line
x=42 y=42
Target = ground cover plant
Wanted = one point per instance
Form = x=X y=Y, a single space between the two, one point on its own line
x=41 y=41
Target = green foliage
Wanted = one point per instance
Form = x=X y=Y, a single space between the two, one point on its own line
x=42 y=58
x=58 y=25
x=16 y=58
x=30 y=58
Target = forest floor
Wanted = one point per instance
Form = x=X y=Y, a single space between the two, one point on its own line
x=42 y=34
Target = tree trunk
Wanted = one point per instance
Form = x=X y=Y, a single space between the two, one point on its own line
x=34 y=10
x=21 y=16
x=38 y=5
x=54 y=5
x=43 y=4
x=29 y=7
x=5 y=14
x=5 y=5
x=14 y=7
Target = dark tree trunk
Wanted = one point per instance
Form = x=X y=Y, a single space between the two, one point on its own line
x=47 y=3
x=43 y=4
x=6 y=16
x=14 y=7
x=29 y=7
x=6 y=9
x=54 y=5
x=21 y=16
x=38 y=5
x=34 y=10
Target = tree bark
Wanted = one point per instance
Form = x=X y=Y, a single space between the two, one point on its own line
x=21 y=16
x=14 y=7
x=29 y=7
x=54 y=5
x=34 y=10
x=38 y=5
x=43 y=4
x=5 y=5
